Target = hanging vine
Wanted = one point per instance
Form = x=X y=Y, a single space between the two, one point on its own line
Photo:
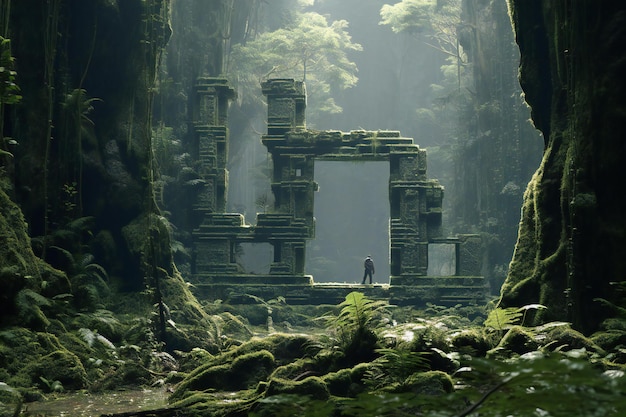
x=51 y=30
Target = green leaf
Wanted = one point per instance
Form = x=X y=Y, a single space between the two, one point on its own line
x=503 y=318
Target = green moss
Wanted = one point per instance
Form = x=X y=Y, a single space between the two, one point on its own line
x=517 y=340
x=294 y=369
x=472 y=341
x=313 y=387
x=340 y=383
x=62 y=366
x=609 y=340
x=245 y=372
x=428 y=383
x=566 y=338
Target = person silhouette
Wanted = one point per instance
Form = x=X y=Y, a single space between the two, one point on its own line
x=369 y=268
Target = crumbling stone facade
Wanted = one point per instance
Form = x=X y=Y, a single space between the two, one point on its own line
x=415 y=203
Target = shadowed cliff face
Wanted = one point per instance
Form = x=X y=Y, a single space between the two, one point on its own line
x=571 y=244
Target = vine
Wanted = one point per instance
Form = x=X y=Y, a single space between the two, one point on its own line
x=51 y=18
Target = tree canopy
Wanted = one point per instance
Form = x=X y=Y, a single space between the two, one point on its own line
x=310 y=49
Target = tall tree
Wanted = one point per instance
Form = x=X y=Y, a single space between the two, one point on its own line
x=494 y=148
x=570 y=251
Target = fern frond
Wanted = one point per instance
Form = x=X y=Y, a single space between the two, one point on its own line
x=503 y=318
x=67 y=255
x=81 y=224
x=87 y=335
x=104 y=341
x=97 y=270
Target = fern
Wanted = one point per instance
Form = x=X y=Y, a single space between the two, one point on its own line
x=355 y=327
x=394 y=366
x=503 y=318
x=358 y=312
x=87 y=335
x=29 y=305
x=91 y=337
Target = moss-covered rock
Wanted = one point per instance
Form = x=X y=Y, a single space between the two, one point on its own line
x=295 y=369
x=428 y=383
x=62 y=366
x=244 y=372
x=313 y=387
x=517 y=340
x=28 y=283
x=472 y=342
x=340 y=383
x=609 y=340
x=565 y=338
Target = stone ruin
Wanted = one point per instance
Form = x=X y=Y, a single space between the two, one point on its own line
x=415 y=209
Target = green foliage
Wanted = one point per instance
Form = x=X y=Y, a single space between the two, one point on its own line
x=29 y=306
x=408 y=15
x=505 y=318
x=9 y=91
x=394 y=366
x=89 y=279
x=77 y=106
x=358 y=312
x=354 y=328
x=309 y=49
x=91 y=337
x=51 y=386
x=10 y=401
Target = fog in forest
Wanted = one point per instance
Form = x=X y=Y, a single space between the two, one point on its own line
x=352 y=207
x=426 y=86
x=352 y=221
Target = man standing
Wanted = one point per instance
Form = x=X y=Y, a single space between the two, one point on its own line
x=369 y=268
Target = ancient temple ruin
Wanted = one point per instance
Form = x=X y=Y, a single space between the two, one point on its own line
x=415 y=208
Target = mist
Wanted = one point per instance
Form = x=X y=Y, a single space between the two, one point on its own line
x=351 y=221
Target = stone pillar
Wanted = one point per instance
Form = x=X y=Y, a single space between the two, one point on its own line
x=210 y=148
x=415 y=207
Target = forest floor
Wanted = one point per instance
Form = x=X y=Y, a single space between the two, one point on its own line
x=436 y=362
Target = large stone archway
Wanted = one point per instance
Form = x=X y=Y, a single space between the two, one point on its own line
x=415 y=203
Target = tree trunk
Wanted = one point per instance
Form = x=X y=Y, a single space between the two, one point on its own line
x=571 y=244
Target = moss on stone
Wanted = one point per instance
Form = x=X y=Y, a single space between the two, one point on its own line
x=472 y=341
x=340 y=383
x=244 y=372
x=428 y=383
x=517 y=340
x=62 y=366
x=565 y=338
x=313 y=387
x=609 y=340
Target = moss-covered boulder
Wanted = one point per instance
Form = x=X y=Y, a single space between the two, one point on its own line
x=565 y=338
x=244 y=372
x=472 y=342
x=313 y=387
x=62 y=366
x=609 y=340
x=28 y=283
x=517 y=340
x=340 y=383
x=428 y=383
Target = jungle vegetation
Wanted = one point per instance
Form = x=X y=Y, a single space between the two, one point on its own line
x=96 y=185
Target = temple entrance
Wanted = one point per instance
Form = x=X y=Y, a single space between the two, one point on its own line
x=352 y=221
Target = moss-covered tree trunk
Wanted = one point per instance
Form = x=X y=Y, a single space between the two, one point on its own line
x=83 y=170
x=572 y=237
